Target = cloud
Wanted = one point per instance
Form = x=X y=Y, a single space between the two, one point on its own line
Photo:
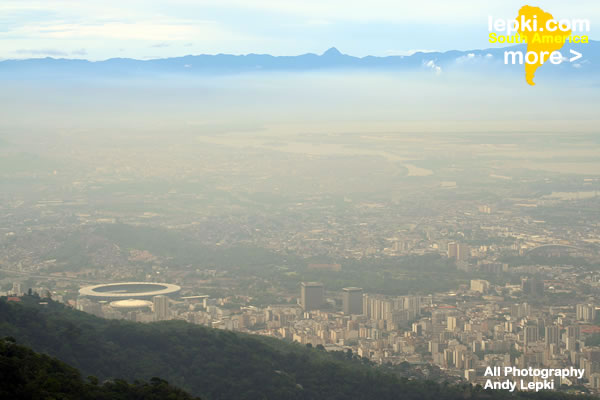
x=42 y=52
x=154 y=31
x=466 y=58
x=79 y=52
x=241 y=26
x=159 y=45
x=474 y=58
x=409 y=52
x=433 y=66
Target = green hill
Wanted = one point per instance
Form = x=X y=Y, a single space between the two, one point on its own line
x=214 y=364
x=25 y=374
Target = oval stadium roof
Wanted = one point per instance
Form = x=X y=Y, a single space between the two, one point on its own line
x=129 y=290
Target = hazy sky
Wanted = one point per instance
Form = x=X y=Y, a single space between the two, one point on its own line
x=158 y=28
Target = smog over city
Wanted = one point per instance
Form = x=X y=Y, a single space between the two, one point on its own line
x=299 y=200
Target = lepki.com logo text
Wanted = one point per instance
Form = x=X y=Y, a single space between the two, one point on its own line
x=544 y=37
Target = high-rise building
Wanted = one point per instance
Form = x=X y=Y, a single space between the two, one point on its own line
x=452 y=250
x=311 y=295
x=377 y=307
x=531 y=335
x=451 y=323
x=459 y=251
x=552 y=335
x=574 y=331
x=352 y=299
x=532 y=286
x=571 y=344
x=520 y=310
x=463 y=252
x=161 y=308
x=586 y=312
x=412 y=304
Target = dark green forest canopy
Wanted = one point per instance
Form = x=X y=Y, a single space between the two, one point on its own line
x=25 y=374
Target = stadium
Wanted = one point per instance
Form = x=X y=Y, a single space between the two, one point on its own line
x=128 y=290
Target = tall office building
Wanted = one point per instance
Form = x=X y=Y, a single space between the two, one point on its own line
x=161 y=308
x=311 y=295
x=352 y=300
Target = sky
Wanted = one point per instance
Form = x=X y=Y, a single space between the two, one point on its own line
x=144 y=29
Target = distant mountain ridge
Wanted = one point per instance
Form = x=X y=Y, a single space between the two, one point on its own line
x=330 y=59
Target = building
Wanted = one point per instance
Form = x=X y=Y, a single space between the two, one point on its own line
x=161 y=308
x=552 y=336
x=485 y=209
x=520 y=310
x=463 y=252
x=452 y=250
x=16 y=289
x=480 y=285
x=128 y=290
x=459 y=251
x=530 y=335
x=311 y=295
x=451 y=323
x=574 y=331
x=586 y=312
x=90 y=307
x=352 y=300
x=412 y=304
x=377 y=307
x=532 y=286
x=325 y=267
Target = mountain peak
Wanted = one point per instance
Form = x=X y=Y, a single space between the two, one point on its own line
x=332 y=52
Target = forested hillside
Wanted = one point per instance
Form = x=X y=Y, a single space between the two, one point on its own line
x=25 y=374
x=213 y=364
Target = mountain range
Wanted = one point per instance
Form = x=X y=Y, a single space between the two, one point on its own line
x=332 y=59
